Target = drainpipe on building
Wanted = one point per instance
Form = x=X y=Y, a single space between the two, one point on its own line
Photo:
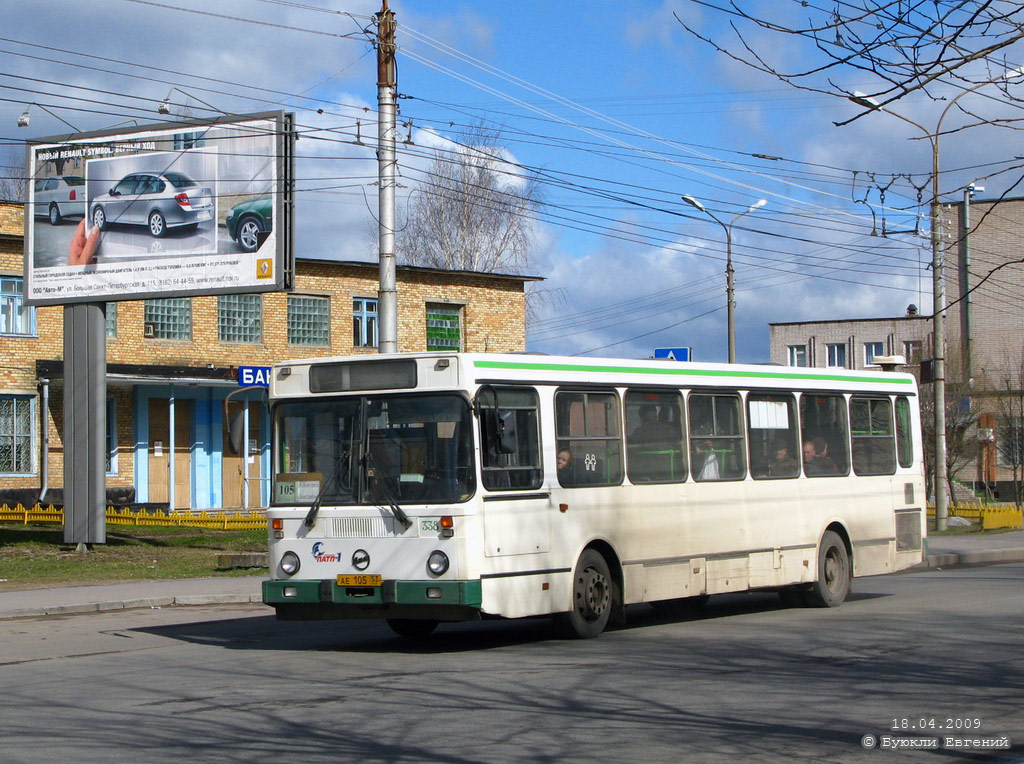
x=44 y=439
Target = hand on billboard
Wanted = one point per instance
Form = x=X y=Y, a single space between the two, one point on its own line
x=82 y=249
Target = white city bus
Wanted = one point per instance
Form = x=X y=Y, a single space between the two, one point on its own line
x=430 y=487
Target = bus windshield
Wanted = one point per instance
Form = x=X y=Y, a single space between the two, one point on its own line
x=374 y=450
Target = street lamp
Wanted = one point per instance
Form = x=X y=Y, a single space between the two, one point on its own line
x=165 y=105
x=938 y=290
x=25 y=118
x=729 y=291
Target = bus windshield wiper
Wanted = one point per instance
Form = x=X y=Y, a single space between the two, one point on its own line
x=389 y=497
x=314 y=508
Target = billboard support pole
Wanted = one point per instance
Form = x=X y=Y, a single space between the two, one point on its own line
x=85 y=423
x=387 y=308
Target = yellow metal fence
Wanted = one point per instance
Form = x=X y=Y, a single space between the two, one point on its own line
x=51 y=514
x=987 y=515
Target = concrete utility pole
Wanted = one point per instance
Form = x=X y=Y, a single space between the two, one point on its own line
x=938 y=289
x=387 y=304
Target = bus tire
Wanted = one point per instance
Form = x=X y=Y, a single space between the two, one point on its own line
x=593 y=598
x=834 y=573
x=412 y=628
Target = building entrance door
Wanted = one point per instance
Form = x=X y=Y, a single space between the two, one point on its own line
x=160 y=455
x=234 y=461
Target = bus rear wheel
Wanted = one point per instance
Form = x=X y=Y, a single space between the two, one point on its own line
x=593 y=598
x=412 y=628
x=834 y=573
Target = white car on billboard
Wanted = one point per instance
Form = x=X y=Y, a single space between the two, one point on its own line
x=59 y=197
x=158 y=201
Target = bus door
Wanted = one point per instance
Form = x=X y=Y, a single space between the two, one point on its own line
x=516 y=512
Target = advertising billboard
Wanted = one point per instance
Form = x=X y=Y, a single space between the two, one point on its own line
x=172 y=209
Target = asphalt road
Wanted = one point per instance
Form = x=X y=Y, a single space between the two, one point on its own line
x=744 y=679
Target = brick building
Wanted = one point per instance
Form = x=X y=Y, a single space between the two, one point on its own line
x=174 y=360
x=984 y=333
x=850 y=343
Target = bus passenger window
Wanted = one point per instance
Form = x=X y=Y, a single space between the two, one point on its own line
x=774 y=449
x=716 y=437
x=654 y=437
x=513 y=410
x=874 y=447
x=824 y=435
x=904 y=433
x=589 y=439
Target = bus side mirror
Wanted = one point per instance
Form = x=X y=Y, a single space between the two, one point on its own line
x=500 y=431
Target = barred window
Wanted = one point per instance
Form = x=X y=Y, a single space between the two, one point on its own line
x=364 y=322
x=169 y=318
x=15 y=316
x=444 y=329
x=15 y=434
x=240 y=317
x=308 y=320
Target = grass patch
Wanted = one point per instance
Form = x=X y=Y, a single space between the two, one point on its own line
x=33 y=556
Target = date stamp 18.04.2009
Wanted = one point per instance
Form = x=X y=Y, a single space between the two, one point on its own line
x=936 y=732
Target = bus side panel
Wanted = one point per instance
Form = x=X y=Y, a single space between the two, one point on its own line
x=520 y=596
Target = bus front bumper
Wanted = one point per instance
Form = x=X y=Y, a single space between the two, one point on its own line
x=315 y=600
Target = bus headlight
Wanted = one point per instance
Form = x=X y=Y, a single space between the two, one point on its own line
x=290 y=563
x=437 y=563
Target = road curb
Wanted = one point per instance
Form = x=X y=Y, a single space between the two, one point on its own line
x=188 y=600
x=966 y=559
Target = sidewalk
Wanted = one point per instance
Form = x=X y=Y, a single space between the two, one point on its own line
x=943 y=552
x=67 y=600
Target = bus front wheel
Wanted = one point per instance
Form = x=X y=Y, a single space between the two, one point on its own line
x=593 y=598
x=412 y=628
x=834 y=573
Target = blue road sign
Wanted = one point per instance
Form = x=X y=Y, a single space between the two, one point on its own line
x=250 y=376
x=673 y=354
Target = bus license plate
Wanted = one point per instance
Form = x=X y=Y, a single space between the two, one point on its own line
x=359 y=580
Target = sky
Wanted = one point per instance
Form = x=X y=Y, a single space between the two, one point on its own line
x=612 y=108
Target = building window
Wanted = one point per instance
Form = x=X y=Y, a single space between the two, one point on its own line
x=111 y=314
x=872 y=350
x=240 y=317
x=444 y=329
x=1009 y=442
x=308 y=320
x=912 y=351
x=168 y=318
x=111 y=460
x=15 y=316
x=364 y=322
x=836 y=355
x=797 y=355
x=15 y=434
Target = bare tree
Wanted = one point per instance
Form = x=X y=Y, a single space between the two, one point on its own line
x=12 y=174
x=473 y=211
x=1010 y=424
x=905 y=46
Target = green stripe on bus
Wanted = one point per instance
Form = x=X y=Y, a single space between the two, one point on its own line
x=684 y=372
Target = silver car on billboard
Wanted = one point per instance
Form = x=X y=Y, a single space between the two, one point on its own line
x=159 y=201
x=60 y=197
